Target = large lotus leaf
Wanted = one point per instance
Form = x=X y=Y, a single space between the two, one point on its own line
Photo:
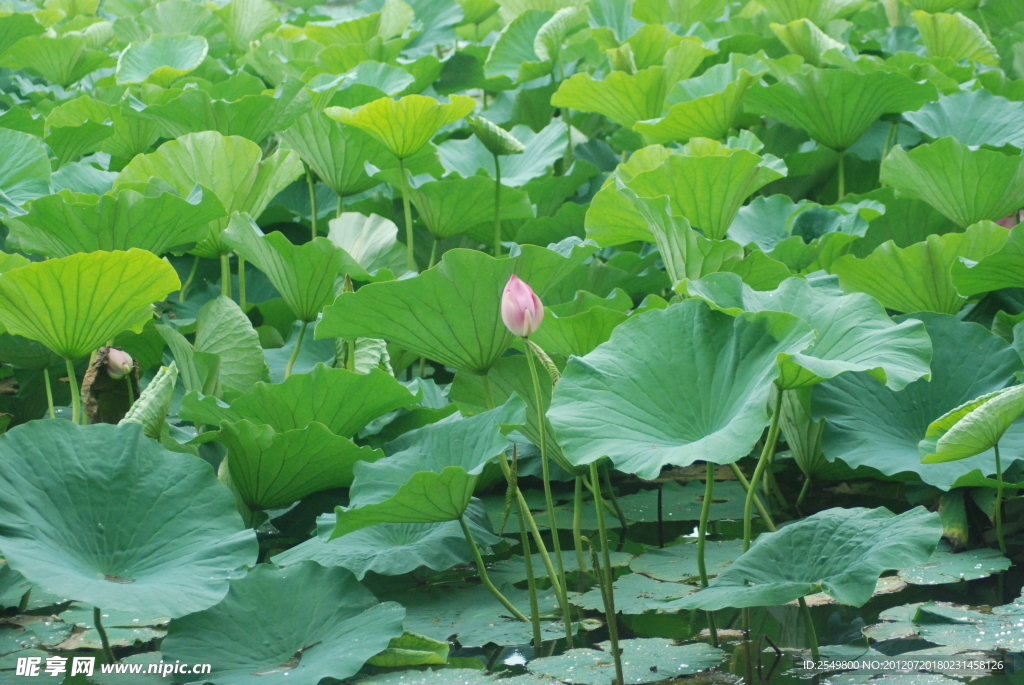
x=818 y=11
x=541 y=150
x=24 y=169
x=644 y=660
x=450 y=313
x=404 y=125
x=870 y=425
x=155 y=219
x=392 y=549
x=271 y=470
x=803 y=37
x=678 y=563
x=996 y=270
x=946 y=567
x=973 y=429
x=299 y=624
x=253 y=116
x=431 y=472
x=223 y=329
x=231 y=166
x=16 y=26
x=457 y=205
x=836 y=107
x=673 y=386
x=335 y=152
x=342 y=400
x=966 y=185
x=906 y=221
x=171 y=17
x=372 y=241
x=852 y=332
x=63 y=61
x=636 y=594
x=161 y=60
x=75 y=304
x=918 y=278
x=974 y=118
x=513 y=54
x=105 y=515
x=954 y=36
x=247 y=20
x=837 y=551
x=303 y=274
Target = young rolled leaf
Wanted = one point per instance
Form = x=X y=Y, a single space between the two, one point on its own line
x=75 y=304
x=497 y=140
x=973 y=428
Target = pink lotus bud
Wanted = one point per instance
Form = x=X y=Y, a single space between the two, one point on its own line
x=1012 y=219
x=119 y=363
x=521 y=309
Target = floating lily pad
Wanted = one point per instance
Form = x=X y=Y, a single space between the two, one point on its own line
x=953 y=627
x=644 y=660
x=679 y=562
x=683 y=502
x=946 y=567
x=636 y=593
x=124 y=628
x=513 y=570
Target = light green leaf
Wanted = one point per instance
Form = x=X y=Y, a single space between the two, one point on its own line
x=625 y=400
x=966 y=185
x=372 y=241
x=996 y=270
x=803 y=37
x=173 y=17
x=64 y=61
x=954 y=36
x=566 y=21
x=223 y=329
x=16 y=26
x=513 y=54
x=247 y=20
x=974 y=118
x=164 y=539
x=24 y=169
x=150 y=410
x=470 y=157
x=497 y=140
x=75 y=304
x=818 y=11
x=161 y=60
x=457 y=205
x=840 y=552
x=678 y=563
x=974 y=429
x=411 y=649
x=946 y=567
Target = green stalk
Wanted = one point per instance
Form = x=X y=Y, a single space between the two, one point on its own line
x=338 y=211
x=497 y=206
x=766 y=456
x=295 y=352
x=98 y=620
x=803 y=491
x=616 y=507
x=999 y=503
x=76 y=398
x=225 y=275
x=188 y=281
x=350 y=355
x=531 y=580
x=481 y=569
x=433 y=254
x=241 y=282
x=577 y=532
x=131 y=392
x=893 y=131
x=606 y=573
x=812 y=636
x=842 y=176
x=702 y=534
x=49 y=393
x=312 y=200
x=757 y=500
x=488 y=395
x=410 y=252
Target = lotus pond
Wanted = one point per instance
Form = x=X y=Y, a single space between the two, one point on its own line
x=529 y=342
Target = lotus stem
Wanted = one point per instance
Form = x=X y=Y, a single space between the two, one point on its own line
x=616 y=507
x=350 y=355
x=225 y=275
x=766 y=456
x=577 y=532
x=531 y=581
x=893 y=131
x=812 y=636
x=23 y=602
x=661 y=517
x=702 y=534
x=481 y=569
x=241 y=283
x=803 y=491
x=131 y=391
x=311 y=184
x=295 y=352
x=488 y=395
x=76 y=398
x=497 y=206
x=98 y=620
x=999 y=502
x=341 y=204
x=606 y=574
x=757 y=500
x=49 y=394
x=410 y=249
x=188 y=281
x=842 y=176
x=433 y=254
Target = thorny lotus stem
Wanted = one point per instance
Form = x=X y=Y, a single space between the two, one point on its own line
x=497 y=206
x=98 y=620
x=999 y=503
x=766 y=456
x=241 y=283
x=410 y=250
x=76 y=398
x=702 y=534
x=769 y=523
x=225 y=275
x=812 y=635
x=49 y=393
x=545 y=467
x=481 y=570
x=295 y=352
x=606 y=574
x=311 y=184
x=577 y=530
x=188 y=281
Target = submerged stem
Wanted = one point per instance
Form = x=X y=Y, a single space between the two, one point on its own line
x=410 y=250
x=606 y=574
x=762 y=462
x=98 y=620
x=295 y=352
x=999 y=502
x=76 y=398
x=49 y=393
x=481 y=569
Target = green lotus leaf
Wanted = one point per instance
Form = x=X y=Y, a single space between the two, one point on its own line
x=171 y=17
x=150 y=410
x=276 y=58
x=918 y=278
x=298 y=624
x=727 y=364
x=954 y=36
x=26 y=354
x=497 y=140
x=271 y=470
x=75 y=304
x=372 y=241
x=450 y=313
x=645 y=660
x=513 y=54
x=105 y=515
x=231 y=166
x=802 y=37
x=966 y=185
x=405 y=125
x=946 y=567
x=636 y=594
x=995 y=270
x=253 y=116
x=71 y=142
x=431 y=472
x=974 y=118
x=16 y=26
x=150 y=218
x=678 y=563
x=837 y=551
x=852 y=332
x=247 y=20
x=64 y=60
x=869 y=425
x=975 y=428
x=818 y=11
x=541 y=150
x=906 y=221
x=836 y=107
x=161 y=60
x=686 y=12
x=24 y=170
x=457 y=205
x=392 y=549
x=705 y=106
